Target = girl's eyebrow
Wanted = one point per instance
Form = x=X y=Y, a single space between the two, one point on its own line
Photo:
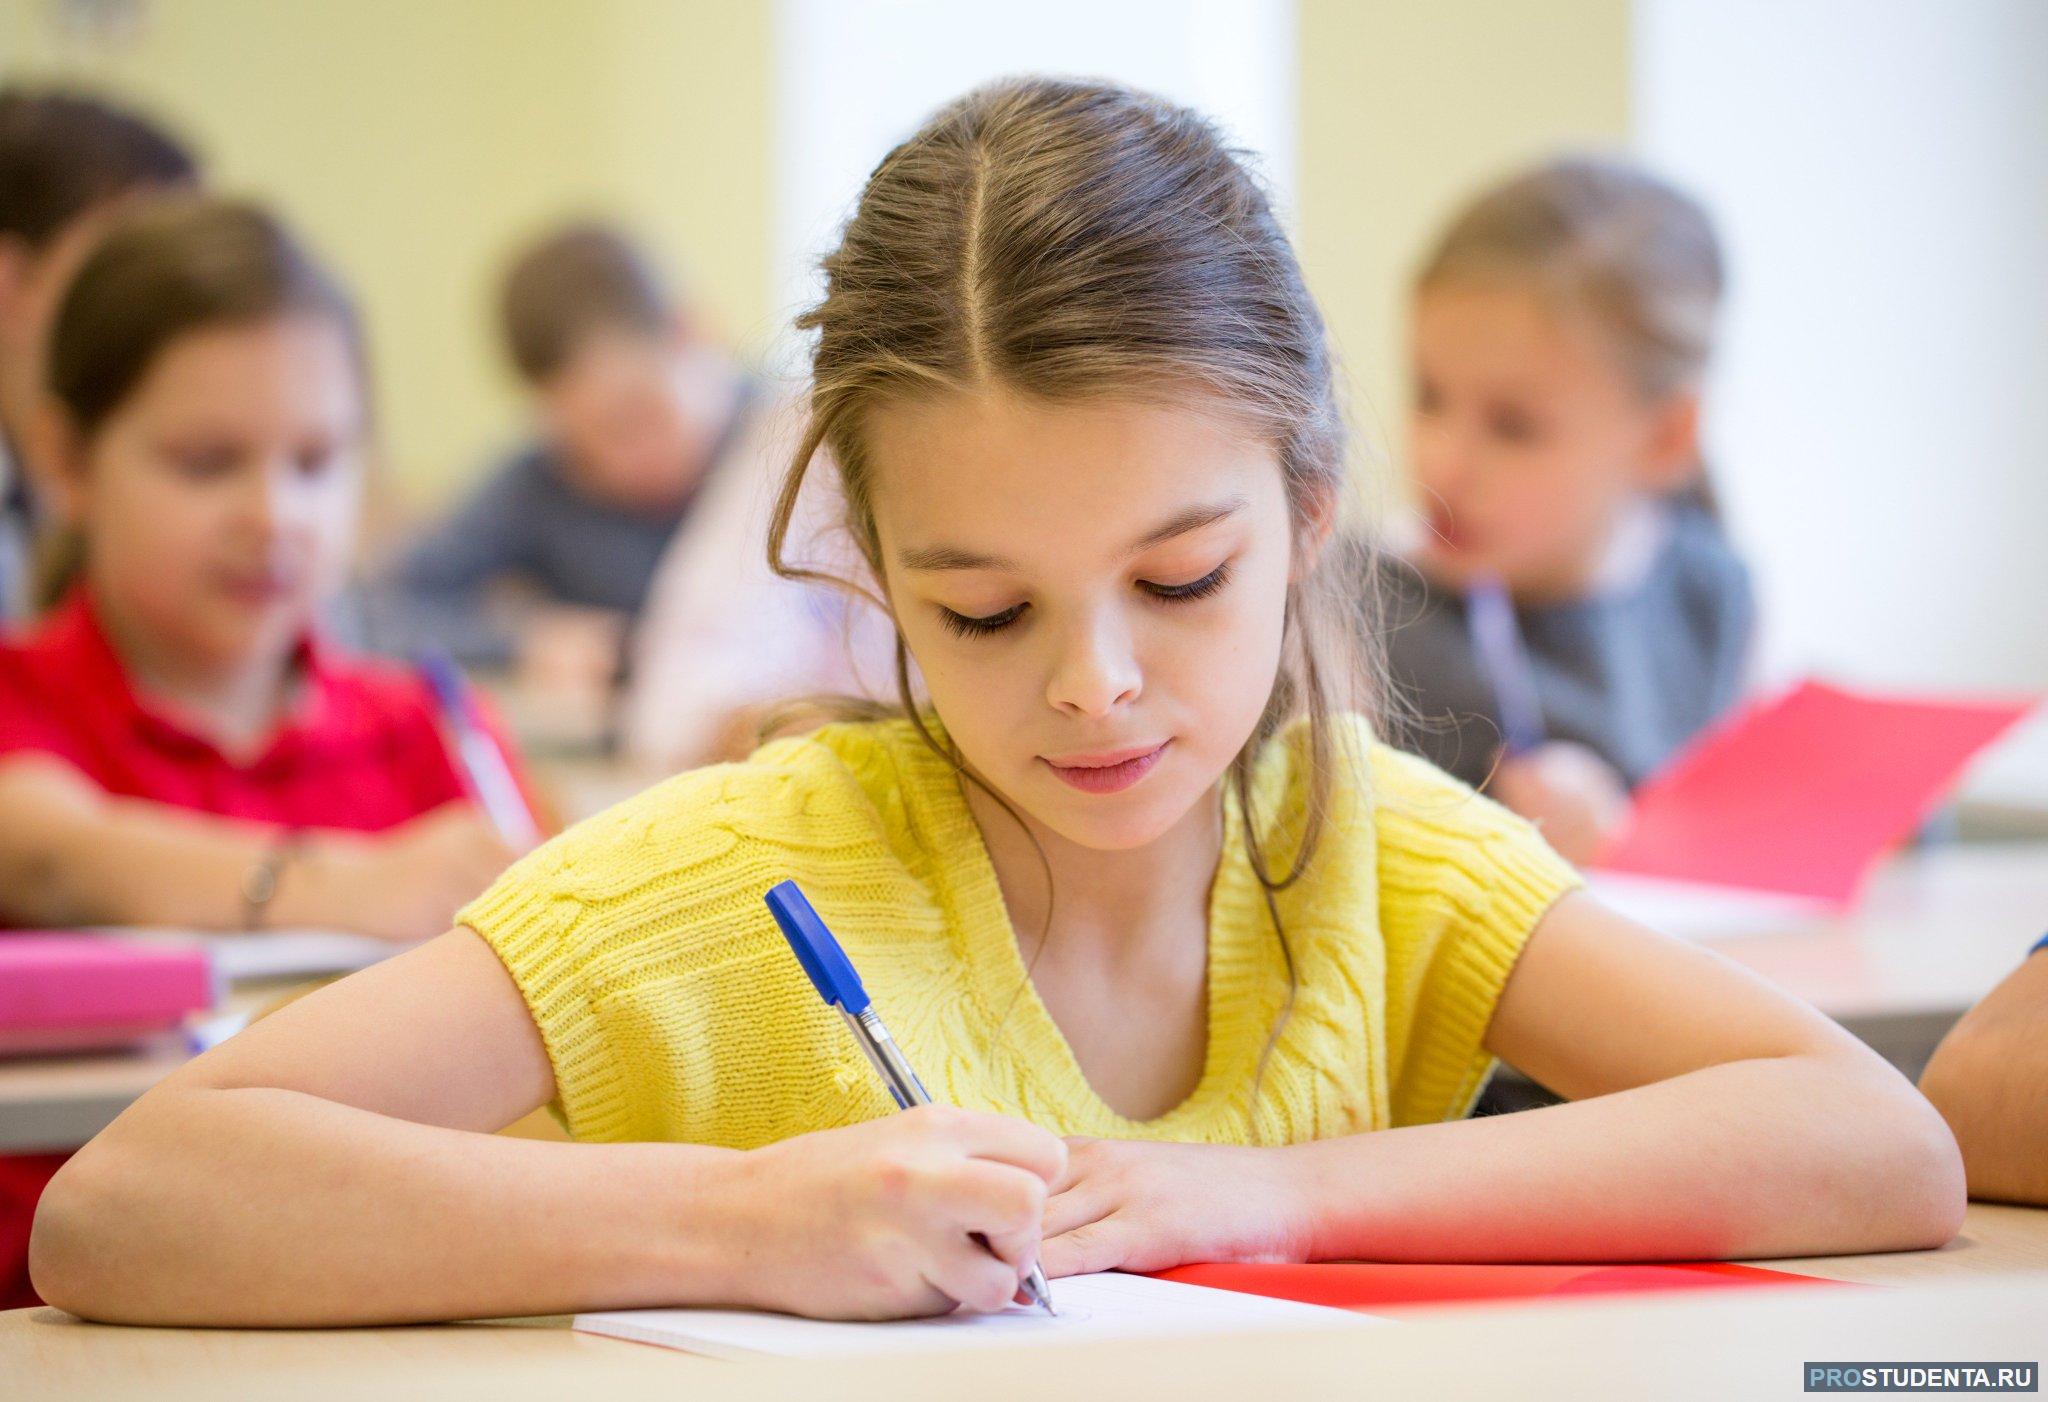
x=947 y=557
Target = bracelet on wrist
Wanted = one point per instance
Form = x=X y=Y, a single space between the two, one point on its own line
x=259 y=886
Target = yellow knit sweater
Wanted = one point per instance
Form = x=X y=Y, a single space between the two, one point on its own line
x=672 y=1009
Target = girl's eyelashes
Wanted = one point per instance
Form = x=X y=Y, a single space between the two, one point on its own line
x=1194 y=589
x=963 y=625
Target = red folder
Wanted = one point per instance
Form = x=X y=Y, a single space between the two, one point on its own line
x=1380 y=1288
x=1802 y=793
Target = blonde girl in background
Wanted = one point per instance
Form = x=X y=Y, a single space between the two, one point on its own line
x=1205 y=971
x=1570 y=610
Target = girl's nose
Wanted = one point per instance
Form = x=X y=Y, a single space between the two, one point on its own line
x=1096 y=670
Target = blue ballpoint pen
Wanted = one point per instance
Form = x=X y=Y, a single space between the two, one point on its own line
x=833 y=974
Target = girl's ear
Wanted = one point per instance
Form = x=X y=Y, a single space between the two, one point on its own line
x=1671 y=458
x=1313 y=531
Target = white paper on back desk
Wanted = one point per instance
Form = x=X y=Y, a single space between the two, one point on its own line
x=1091 y=1308
x=274 y=954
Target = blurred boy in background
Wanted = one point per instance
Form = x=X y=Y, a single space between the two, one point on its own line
x=548 y=563
x=68 y=163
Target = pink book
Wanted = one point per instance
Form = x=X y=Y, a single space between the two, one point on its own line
x=1801 y=793
x=68 y=992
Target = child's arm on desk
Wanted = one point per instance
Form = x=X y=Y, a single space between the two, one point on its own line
x=334 y=1164
x=1989 y=1079
x=73 y=854
x=1714 y=1117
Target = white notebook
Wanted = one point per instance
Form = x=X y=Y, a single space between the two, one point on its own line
x=275 y=954
x=1091 y=1308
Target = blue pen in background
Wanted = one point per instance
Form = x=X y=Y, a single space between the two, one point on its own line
x=1504 y=659
x=833 y=975
x=482 y=762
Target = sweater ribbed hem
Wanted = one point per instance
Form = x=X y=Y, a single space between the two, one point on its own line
x=524 y=925
x=1522 y=880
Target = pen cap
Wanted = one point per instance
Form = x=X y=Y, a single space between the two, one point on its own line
x=831 y=971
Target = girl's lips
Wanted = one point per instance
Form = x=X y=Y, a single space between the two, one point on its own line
x=257 y=590
x=1108 y=773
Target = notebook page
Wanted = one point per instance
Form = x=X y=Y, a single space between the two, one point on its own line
x=1091 y=1308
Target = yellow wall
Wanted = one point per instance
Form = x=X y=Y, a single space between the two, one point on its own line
x=446 y=128
x=413 y=140
x=1406 y=105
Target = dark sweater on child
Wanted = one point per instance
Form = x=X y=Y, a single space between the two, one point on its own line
x=528 y=525
x=1630 y=671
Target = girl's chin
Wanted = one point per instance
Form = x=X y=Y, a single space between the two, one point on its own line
x=1120 y=822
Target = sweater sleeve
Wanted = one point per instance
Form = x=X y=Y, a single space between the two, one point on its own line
x=1462 y=885
x=663 y=884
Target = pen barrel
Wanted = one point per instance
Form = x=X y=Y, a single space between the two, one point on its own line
x=497 y=792
x=887 y=1059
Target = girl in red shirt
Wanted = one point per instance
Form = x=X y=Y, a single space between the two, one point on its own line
x=176 y=746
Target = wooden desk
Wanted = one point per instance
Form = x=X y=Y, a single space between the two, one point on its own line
x=1938 y=929
x=1954 y=1305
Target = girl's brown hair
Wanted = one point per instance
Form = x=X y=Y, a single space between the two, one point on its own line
x=1634 y=254
x=170 y=267
x=1072 y=239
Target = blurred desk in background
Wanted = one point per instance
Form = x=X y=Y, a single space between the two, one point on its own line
x=580 y=785
x=1938 y=928
x=2004 y=796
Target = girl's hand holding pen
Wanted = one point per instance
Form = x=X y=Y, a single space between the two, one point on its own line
x=873 y=1220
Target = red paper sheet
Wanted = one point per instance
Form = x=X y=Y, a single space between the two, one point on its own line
x=1803 y=793
x=1380 y=1288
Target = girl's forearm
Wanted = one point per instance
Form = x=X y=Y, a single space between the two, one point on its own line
x=72 y=856
x=259 y=1207
x=1791 y=1156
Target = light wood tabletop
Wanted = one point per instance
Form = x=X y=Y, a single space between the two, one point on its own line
x=1984 y=1297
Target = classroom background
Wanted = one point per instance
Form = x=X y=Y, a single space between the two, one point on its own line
x=1876 y=439
x=1877 y=429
